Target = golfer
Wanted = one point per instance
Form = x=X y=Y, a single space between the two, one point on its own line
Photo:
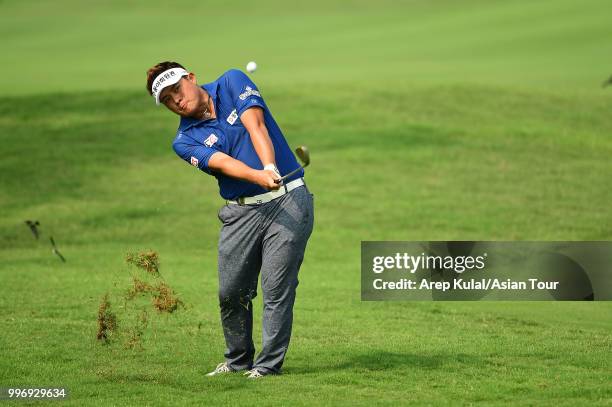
x=227 y=131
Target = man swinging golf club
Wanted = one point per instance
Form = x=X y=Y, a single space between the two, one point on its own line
x=227 y=131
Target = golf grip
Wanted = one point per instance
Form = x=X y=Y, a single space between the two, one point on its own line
x=284 y=177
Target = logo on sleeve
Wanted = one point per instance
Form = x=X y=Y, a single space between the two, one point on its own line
x=231 y=119
x=212 y=139
x=194 y=161
x=248 y=91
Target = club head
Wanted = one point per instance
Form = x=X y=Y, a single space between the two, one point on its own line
x=303 y=155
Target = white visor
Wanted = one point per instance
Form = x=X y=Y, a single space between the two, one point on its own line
x=166 y=78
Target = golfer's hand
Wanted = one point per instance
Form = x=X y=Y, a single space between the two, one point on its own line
x=266 y=179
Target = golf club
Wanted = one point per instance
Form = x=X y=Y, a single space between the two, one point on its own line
x=304 y=156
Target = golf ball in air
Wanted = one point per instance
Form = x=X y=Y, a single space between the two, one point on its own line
x=251 y=67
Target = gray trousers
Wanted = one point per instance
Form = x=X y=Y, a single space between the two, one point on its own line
x=269 y=239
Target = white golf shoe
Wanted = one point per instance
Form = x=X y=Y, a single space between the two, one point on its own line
x=220 y=369
x=253 y=374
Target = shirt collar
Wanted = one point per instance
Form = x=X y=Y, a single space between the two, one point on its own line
x=188 y=122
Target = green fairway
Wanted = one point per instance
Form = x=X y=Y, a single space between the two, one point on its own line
x=451 y=120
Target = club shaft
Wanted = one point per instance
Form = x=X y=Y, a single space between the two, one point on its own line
x=284 y=177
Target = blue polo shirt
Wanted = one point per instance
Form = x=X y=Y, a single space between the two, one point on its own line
x=197 y=140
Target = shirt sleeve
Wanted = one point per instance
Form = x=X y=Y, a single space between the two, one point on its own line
x=195 y=154
x=243 y=91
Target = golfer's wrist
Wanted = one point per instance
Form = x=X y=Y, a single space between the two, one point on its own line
x=255 y=176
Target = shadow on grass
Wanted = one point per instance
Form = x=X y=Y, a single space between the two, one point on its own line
x=383 y=360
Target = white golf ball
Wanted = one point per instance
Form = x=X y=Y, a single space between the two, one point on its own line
x=251 y=67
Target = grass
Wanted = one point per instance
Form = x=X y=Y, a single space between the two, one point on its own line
x=477 y=128
x=556 y=44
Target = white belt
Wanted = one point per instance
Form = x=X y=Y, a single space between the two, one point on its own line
x=269 y=196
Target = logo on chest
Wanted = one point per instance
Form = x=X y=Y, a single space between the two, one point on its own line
x=212 y=139
x=231 y=119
